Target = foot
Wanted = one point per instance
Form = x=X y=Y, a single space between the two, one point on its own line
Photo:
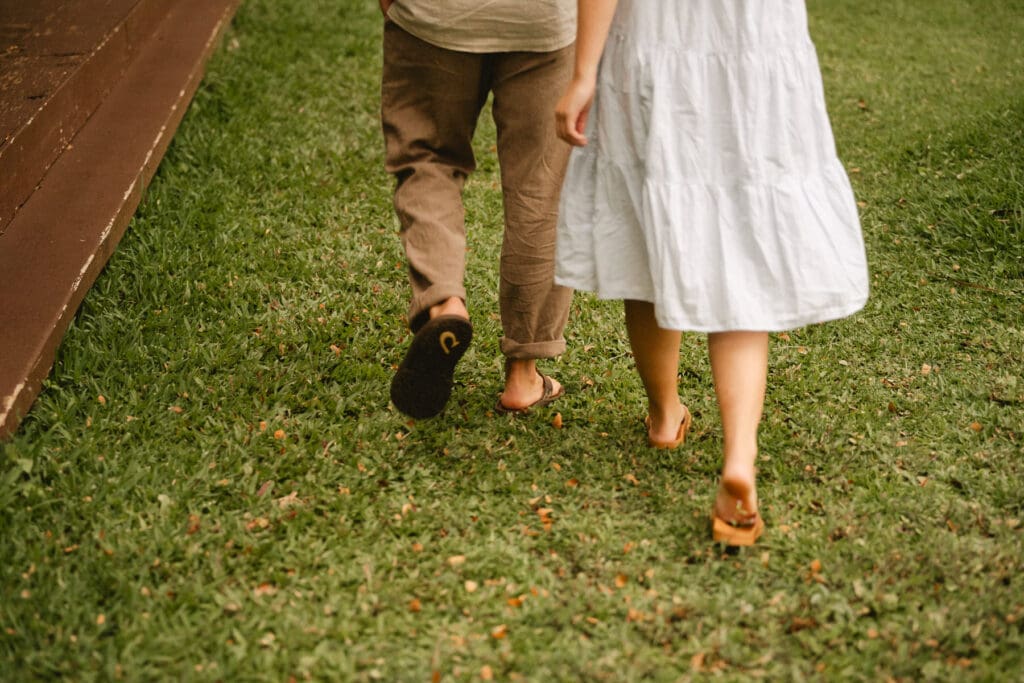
x=736 y=501
x=525 y=387
x=668 y=428
x=735 y=520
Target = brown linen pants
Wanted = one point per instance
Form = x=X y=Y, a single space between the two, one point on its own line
x=431 y=99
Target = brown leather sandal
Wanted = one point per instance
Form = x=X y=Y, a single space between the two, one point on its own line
x=547 y=396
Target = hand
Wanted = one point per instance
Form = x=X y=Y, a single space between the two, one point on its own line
x=572 y=111
x=385 y=5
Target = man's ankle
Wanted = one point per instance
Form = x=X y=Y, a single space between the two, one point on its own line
x=520 y=370
x=451 y=306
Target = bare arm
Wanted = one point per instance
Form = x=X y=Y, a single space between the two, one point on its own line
x=593 y=23
x=385 y=5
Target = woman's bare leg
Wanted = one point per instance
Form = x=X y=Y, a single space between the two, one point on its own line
x=656 y=352
x=739 y=364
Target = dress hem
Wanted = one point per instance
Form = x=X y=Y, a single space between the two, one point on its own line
x=810 y=317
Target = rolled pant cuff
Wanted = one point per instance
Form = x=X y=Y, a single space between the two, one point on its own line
x=531 y=351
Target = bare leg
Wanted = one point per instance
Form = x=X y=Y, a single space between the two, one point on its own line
x=656 y=352
x=739 y=364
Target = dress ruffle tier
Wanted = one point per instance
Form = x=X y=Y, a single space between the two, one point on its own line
x=711 y=185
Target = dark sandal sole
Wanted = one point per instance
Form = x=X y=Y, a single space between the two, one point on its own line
x=423 y=383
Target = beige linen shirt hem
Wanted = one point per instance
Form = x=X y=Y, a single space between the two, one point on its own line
x=483 y=27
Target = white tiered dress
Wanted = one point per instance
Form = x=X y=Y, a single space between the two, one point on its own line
x=711 y=185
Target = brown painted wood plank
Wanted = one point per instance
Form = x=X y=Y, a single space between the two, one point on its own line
x=64 y=234
x=58 y=60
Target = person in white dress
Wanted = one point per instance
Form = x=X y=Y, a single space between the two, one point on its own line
x=707 y=194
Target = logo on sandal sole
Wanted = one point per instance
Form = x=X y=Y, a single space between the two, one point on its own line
x=448 y=342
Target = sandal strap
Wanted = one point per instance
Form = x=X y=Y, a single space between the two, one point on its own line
x=549 y=387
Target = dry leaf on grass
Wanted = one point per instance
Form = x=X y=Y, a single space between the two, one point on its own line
x=287 y=501
x=258 y=523
x=264 y=589
x=802 y=623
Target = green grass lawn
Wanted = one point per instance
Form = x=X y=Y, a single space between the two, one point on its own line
x=213 y=486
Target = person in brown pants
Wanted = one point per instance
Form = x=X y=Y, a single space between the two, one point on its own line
x=441 y=60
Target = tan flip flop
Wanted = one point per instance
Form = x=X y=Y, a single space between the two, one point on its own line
x=684 y=427
x=736 y=534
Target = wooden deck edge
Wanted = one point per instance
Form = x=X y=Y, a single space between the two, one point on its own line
x=61 y=238
x=43 y=137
